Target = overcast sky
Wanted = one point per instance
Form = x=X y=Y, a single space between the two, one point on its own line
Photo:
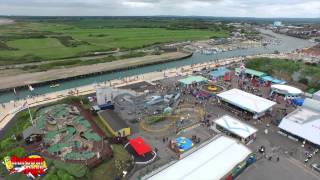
x=242 y=8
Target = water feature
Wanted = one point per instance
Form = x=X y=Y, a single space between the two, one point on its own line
x=286 y=44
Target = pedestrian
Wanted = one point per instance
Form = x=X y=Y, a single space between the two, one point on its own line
x=278 y=159
x=163 y=140
x=167 y=138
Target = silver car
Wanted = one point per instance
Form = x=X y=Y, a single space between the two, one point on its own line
x=316 y=166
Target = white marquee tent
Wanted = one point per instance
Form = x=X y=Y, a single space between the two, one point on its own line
x=247 y=101
x=212 y=161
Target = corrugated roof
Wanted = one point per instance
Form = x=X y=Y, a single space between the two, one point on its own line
x=193 y=79
x=31 y=131
x=252 y=72
x=219 y=72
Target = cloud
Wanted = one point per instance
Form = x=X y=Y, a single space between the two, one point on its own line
x=244 y=8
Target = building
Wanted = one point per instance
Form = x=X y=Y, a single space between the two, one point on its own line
x=304 y=122
x=32 y=134
x=251 y=72
x=220 y=158
x=256 y=105
x=193 y=79
x=236 y=128
x=220 y=72
x=273 y=80
x=115 y=124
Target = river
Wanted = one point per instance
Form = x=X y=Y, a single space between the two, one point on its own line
x=286 y=44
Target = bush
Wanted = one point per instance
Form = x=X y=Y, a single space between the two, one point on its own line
x=77 y=170
x=51 y=177
x=62 y=174
x=19 y=152
x=304 y=81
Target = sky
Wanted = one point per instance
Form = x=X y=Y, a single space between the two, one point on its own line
x=222 y=8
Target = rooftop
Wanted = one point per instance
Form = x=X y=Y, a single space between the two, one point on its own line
x=236 y=126
x=252 y=72
x=304 y=121
x=113 y=120
x=219 y=72
x=193 y=79
x=211 y=161
x=246 y=101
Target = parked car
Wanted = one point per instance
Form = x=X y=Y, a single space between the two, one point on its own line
x=316 y=166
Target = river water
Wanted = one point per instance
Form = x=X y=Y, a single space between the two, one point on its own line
x=286 y=44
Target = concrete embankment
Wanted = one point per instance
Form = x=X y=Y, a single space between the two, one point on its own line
x=47 y=77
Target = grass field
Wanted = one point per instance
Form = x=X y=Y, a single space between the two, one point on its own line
x=108 y=169
x=38 y=41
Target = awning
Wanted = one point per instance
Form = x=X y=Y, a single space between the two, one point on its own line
x=252 y=72
x=219 y=72
x=273 y=80
x=193 y=79
x=140 y=146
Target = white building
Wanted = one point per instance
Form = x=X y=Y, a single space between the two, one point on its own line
x=214 y=160
x=236 y=128
x=246 y=101
x=304 y=122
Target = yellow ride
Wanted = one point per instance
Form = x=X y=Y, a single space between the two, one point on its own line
x=212 y=88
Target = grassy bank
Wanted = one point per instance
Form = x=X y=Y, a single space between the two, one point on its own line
x=77 y=62
x=300 y=72
x=35 y=41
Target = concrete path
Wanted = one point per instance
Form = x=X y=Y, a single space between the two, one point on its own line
x=11 y=108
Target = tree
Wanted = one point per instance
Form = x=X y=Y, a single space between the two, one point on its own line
x=304 y=81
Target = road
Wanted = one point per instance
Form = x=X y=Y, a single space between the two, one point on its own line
x=285 y=169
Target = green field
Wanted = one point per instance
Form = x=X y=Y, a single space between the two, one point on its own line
x=38 y=41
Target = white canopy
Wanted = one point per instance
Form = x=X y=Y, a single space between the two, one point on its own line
x=246 y=101
x=236 y=126
x=212 y=161
x=286 y=90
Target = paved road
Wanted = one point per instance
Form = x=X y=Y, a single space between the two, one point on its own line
x=285 y=169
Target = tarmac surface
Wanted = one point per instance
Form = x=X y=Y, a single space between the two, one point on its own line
x=285 y=169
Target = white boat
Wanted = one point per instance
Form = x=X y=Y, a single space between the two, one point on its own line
x=54 y=85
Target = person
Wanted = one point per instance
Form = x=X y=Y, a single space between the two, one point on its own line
x=278 y=159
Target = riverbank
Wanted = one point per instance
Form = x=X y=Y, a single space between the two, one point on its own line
x=8 y=110
x=37 y=78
